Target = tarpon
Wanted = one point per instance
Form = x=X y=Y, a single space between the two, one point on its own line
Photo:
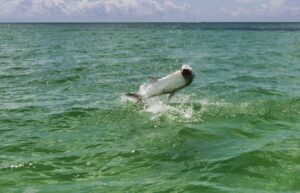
x=166 y=85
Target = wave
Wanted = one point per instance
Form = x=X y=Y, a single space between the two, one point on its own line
x=186 y=108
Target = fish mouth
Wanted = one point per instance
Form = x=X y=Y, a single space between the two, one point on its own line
x=187 y=73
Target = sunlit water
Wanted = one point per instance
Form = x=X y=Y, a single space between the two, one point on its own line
x=66 y=125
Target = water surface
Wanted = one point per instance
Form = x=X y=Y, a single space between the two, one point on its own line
x=65 y=126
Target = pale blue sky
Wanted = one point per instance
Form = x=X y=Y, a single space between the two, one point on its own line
x=148 y=10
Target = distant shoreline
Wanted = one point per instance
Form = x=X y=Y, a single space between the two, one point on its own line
x=202 y=22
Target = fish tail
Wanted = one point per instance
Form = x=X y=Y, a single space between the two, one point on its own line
x=135 y=95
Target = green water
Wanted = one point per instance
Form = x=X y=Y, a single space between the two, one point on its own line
x=66 y=127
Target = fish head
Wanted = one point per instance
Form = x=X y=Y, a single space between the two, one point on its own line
x=187 y=72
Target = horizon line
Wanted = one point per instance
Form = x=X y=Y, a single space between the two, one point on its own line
x=140 y=22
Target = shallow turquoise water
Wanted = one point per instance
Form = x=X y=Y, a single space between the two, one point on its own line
x=65 y=126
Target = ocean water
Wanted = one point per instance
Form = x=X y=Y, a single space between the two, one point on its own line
x=65 y=125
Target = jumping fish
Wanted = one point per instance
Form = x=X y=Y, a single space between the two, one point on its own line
x=166 y=85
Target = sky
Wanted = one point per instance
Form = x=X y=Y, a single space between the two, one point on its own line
x=149 y=10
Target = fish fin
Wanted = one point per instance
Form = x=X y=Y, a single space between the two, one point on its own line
x=152 y=79
x=171 y=95
x=134 y=95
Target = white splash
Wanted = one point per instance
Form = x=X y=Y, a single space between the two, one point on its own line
x=177 y=109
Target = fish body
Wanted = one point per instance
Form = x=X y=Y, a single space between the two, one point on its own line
x=166 y=85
